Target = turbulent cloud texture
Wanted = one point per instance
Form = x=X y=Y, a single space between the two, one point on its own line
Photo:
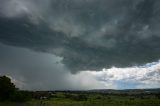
x=77 y=35
x=88 y=34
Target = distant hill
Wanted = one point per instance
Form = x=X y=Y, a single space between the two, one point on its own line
x=132 y=91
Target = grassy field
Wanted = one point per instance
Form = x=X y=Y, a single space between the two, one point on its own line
x=91 y=99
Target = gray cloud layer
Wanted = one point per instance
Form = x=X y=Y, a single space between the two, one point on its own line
x=87 y=34
x=30 y=70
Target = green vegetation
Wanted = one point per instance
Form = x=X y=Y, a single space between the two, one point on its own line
x=8 y=91
x=10 y=96
x=89 y=99
x=7 y=88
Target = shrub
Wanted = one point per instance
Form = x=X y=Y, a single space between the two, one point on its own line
x=8 y=91
x=7 y=88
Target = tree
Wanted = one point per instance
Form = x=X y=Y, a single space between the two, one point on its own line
x=7 y=88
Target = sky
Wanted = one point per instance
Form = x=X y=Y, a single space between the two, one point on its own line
x=80 y=44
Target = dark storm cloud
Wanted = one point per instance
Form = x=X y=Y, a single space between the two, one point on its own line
x=30 y=70
x=87 y=34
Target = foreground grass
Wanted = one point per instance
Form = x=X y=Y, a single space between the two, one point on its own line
x=92 y=100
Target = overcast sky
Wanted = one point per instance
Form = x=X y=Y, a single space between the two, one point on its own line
x=80 y=44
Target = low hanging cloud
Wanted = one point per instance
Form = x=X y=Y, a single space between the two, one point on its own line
x=30 y=70
x=114 y=78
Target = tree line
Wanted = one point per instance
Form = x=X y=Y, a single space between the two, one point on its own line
x=8 y=91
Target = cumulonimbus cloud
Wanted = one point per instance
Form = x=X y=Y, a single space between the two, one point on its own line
x=87 y=34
